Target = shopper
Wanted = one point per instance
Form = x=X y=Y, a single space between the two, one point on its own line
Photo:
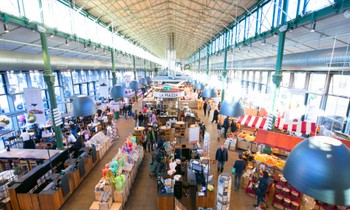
x=70 y=138
x=219 y=106
x=140 y=116
x=205 y=108
x=225 y=125
x=233 y=127
x=218 y=130
x=221 y=157
x=215 y=116
x=150 y=138
x=209 y=109
x=239 y=167
x=136 y=117
x=27 y=142
x=262 y=189
x=202 y=129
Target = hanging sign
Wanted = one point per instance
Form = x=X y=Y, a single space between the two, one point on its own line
x=34 y=105
x=193 y=135
x=168 y=94
x=103 y=89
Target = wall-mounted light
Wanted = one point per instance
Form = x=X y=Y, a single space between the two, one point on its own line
x=6 y=28
x=66 y=41
x=313 y=26
x=263 y=41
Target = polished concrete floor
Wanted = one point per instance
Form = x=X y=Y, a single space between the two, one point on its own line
x=143 y=195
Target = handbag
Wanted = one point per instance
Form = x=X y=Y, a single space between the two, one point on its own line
x=233 y=170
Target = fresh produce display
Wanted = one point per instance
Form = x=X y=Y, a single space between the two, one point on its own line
x=248 y=137
x=269 y=160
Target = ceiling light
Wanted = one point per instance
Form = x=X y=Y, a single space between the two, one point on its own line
x=263 y=41
x=6 y=28
x=67 y=43
x=313 y=26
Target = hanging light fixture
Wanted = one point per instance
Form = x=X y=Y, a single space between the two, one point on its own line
x=83 y=106
x=123 y=85
x=117 y=91
x=318 y=167
x=194 y=82
x=199 y=86
x=232 y=107
x=209 y=92
x=134 y=85
x=149 y=79
x=143 y=82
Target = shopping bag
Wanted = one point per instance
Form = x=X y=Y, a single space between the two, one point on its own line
x=233 y=170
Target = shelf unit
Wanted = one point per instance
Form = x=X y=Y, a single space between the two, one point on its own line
x=180 y=129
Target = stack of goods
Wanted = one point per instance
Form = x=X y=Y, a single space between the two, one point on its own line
x=286 y=196
x=246 y=142
x=119 y=174
x=180 y=129
x=101 y=142
x=245 y=136
x=138 y=133
x=269 y=160
x=165 y=132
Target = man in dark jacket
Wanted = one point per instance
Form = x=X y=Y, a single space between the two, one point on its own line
x=221 y=156
x=140 y=116
x=225 y=125
x=215 y=116
x=205 y=107
x=239 y=166
x=262 y=189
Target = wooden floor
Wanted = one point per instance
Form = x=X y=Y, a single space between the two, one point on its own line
x=143 y=193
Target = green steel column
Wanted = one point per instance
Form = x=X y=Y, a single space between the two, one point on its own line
x=114 y=77
x=49 y=78
x=144 y=68
x=224 y=71
x=134 y=70
x=199 y=61
x=208 y=60
x=277 y=77
x=134 y=66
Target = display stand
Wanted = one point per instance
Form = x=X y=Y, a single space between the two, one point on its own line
x=223 y=192
x=138 y=132
x=165 y=132
x=180 y=129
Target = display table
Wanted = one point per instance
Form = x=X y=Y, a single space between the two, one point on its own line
x=138 y=132
x=165 y=132
x=35 y=154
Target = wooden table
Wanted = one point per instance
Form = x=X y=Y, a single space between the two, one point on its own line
x=41 y=154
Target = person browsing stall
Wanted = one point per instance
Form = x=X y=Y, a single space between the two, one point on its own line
x=239 y=167
x=70 y=138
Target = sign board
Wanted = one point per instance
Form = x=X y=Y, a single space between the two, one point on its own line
x=193 y=135
x=34 y=105
x=103 y=89
x=168 y=94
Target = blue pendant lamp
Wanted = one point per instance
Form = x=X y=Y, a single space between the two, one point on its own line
x=319 y=167
x=117 y=92
x=232 y=107
x=194 y=82
x=134 y=85
x=143 y=82
x=149 y=80
x=83 y=106
x=199 y=86
x=209 y=92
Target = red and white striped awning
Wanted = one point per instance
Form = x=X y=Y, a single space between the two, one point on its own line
x=252 y=121
x=300 y=126
x=260 y=122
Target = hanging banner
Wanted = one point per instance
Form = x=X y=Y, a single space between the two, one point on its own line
x=168 y=94
x=34 y=105
x=103 y=89
x=193 y=135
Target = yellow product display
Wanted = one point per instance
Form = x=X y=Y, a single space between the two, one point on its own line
x=250 y=137
x=270 y=160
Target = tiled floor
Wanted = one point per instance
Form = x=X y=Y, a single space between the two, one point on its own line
x=143 y=193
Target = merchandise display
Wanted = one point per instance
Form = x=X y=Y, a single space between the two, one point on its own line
x=101 y=142
x=118 y=175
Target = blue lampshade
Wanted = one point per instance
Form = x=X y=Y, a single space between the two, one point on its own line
x=143 y=81
x=232 y=107
x=83 y=106
x=149 y=79
x=117 y=92
x=209 y=92
x=134 y=85
x=319 y=167
x=199 y=86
